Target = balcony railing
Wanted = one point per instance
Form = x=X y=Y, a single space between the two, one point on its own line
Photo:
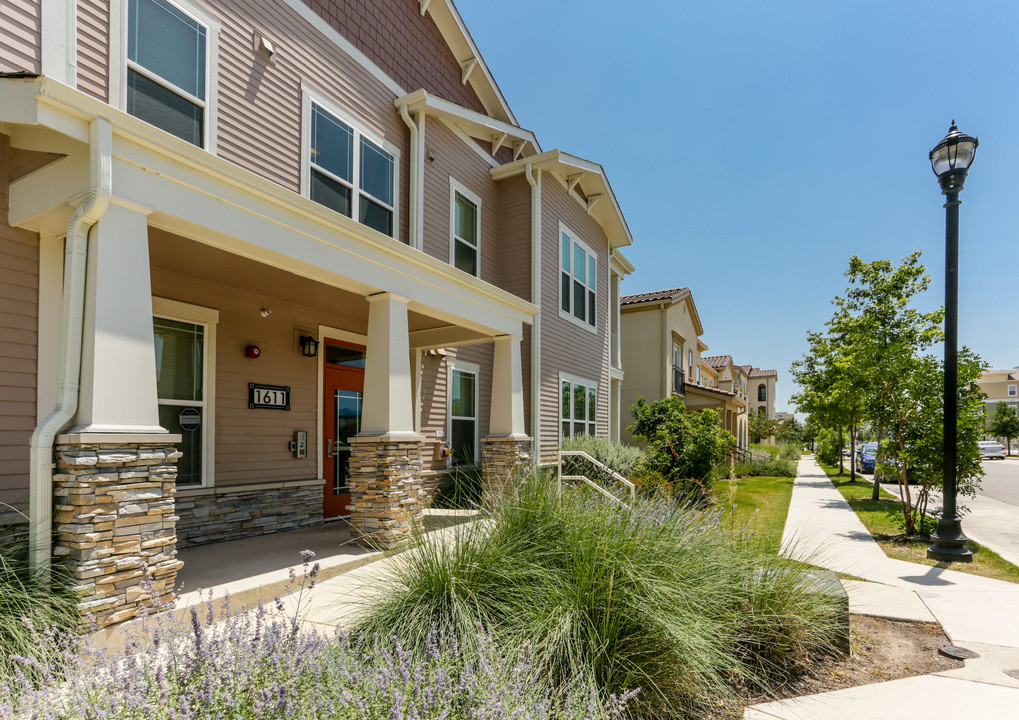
x=678 y=380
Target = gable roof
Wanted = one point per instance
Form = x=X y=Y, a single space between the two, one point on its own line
x=718 y=361
x=758 y=373
x=655 y=296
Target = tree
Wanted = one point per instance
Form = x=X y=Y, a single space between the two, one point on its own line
x=790 y=431
x=1004 y=423
x=760 y=427
x=682 y=448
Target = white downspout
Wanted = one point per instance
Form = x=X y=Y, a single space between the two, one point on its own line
x=415 y=205
x=535 y=183
x=85 y=216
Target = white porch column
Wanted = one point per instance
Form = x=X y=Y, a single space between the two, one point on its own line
x=507 y=414
x=118 y=366
x=388 y=393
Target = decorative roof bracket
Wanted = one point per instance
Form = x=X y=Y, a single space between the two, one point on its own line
x=467 y=66
x=518 y=149
x=573 y=180
x=497 y=141
x=592 y=200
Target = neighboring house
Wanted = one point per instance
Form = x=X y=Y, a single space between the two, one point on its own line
x=1000 y=386
x=662 y=356
x=783 y=416
x=306 y=245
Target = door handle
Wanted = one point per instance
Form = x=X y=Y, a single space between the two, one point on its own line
x=329 y=447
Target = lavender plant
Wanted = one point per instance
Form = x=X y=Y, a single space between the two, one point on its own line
x=262 y=664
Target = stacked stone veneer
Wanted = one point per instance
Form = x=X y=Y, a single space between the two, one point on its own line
x=115 y=526
x=385 y=490
x=504 y=460
x=247 y=512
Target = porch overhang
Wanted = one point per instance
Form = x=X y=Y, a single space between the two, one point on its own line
x=188 y=191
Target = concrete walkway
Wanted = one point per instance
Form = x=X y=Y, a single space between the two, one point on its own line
x=975 y=612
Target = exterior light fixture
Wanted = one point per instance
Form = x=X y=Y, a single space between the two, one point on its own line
x=951 y=159
x=309 y=346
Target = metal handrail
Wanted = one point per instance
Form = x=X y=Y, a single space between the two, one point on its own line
x=593 y=484
x=580 y=453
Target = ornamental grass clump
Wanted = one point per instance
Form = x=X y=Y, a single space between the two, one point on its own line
x=262 y=665
x=654 y=596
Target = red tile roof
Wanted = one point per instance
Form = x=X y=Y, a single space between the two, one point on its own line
x=757 y=372
x=717 y=361
x=655 y=296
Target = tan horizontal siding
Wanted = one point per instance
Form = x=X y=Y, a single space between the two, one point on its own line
x=19 y=290
x=565 y=347
x=514 y=246
x=434 y=412
x=21 y=36
x=259 y=125
x=93 y=35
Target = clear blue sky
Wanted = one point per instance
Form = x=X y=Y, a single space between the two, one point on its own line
x=755 y=146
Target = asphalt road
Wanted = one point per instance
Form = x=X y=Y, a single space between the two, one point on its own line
x=1001 y=481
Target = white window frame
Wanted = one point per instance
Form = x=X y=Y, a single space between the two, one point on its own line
x=118 y=70
x=208 y=318
x=454 y=188
x=591 y=284
x=310 y=95
x=575 y=380
x=462 y=366
x=1011 y=390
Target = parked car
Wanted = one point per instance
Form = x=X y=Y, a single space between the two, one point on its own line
x=866 y=456
x=991 y=449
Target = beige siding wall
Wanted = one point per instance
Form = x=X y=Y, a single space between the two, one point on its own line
x=434 y=398
x=21 y=36
x=642 y=355
x=513 y=246
x=19 y=287
x=93 y=35
x=252 y=445
x=566 y=347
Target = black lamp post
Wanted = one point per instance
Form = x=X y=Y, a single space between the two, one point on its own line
x=951 y=160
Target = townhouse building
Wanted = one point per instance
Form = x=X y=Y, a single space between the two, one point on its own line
x=1000 y=386
x=265 y=262
x=663 y=356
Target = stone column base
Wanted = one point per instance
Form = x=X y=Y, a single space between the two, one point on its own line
x=386 y=497
x=504 y=460
x=115 y=526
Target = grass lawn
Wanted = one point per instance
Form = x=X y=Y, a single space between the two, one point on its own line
x=760 y=502
x=879 y=518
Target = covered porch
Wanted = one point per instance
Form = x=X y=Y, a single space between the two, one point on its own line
x=135 y=225
x=730 y=407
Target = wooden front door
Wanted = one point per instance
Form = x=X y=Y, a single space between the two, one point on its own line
x=343 y=378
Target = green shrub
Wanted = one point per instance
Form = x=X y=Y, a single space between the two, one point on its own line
x=789 y=451
x=765 y=468
x=828 y=450
x=623 y=459
x=28 y=608
x=683 y=448
x=765 y=449
x=655 y=595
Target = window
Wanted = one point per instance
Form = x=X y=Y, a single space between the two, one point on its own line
x=348 y=171
x=1011 y=391
x=463 y=412
x=579 y=403
x=168 y=73
x=579 y=279
x=185 y=343
x=690 y=357
x=465 y=229
x=762 y=393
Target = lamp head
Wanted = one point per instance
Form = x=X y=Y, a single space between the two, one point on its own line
x=952 y=157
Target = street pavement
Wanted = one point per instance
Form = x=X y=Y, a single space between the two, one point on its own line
x=1001 y=481
x=975 y=612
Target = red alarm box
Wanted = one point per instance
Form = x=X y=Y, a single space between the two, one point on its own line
x=252 y=351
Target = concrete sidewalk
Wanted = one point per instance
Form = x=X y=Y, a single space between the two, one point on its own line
x=975 y=612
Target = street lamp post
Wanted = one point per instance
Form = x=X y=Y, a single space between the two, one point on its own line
x=951 y=160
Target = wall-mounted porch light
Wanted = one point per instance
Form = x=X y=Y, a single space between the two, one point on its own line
x=309 y=346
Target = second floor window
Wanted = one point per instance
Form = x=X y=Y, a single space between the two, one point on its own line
x=1011 y=390
x=762 y=393
x=349 y=173
x=167 y=56
x=466 y=230
x=579 y=279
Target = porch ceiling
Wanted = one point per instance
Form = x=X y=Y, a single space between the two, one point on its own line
x=187 y=258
